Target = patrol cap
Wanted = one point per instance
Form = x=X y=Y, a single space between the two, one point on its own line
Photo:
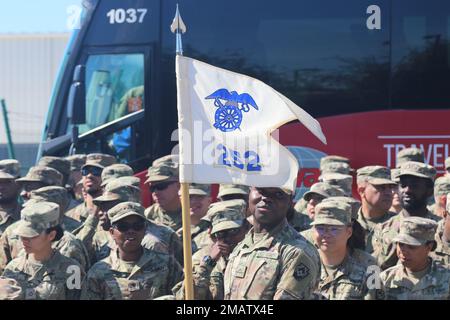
x=125 y=209
x=37 y=218
x=9 y=169
x=53 y=194
x=343 y=181
x=447 y=163
x=417 y=169
x=119 y=190
x=130 y=180
x=76 y=161
x=163 y=169
x=333 y=158
x=375 y=175
x=223 y=206
x=395 y=173
x=199 y=189
x=60 y=164
x=115 y=171
x=227 y=189
x=410 y=154
x=442 y=186
x=323 y=189
x=47 y=175
x=170 y=158
x=416 y=231
x=333 y=213
x=355 y=204
x=336 y=167
x=228 y=218
x=99 y=160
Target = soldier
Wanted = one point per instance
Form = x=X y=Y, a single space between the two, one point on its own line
x=77 y=161
x=343 y=181
x=409 y=154
x=229 y=226
x=396 y=206
x=233 y=191
x=441 y=189
x=342 y=276
x=9 y=193
x=442 y=237
x=157 y=237
x=68 y=245
x=273 y=261
x=38 y=177
x=115 y=171
x=43 y=272
x=416 y=276
x=375 y=189
x=132 y=271
x=416 y=185
x=164 y=187
x=60 y=164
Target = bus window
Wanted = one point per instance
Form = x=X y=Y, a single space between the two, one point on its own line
x=420 y=54
x=114 y=88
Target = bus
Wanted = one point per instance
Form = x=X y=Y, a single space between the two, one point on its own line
x=374 y=73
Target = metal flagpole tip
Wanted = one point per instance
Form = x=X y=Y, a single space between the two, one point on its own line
x=178 y=27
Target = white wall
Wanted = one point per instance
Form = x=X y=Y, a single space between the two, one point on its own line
x=28 y=67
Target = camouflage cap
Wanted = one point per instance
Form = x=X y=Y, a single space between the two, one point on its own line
x=57 y=163
x=375 y=175
x=228 y=217
x=395 y=175
x=9 y=169
x=47 y=175
x=333 y=158
x=417 y=169
x=170 y=158
x=76 y=161
x=323 y=189
x=37 y=218
x=221 y=206
x=410 y=154
x=53 y=194
x=355 y=204
x=199 y=189
x=130 y=180
x=336 y=167
x=99 y=160
x=227 y=189
x=333 y=212
x=119 y=190
x=447 y=163
x=416 y=231
x=343 y=181
x=163 y=169
x=442 y=186
x=125 y=209
x=115 y=171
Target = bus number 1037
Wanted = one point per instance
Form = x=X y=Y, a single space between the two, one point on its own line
x=126 y=15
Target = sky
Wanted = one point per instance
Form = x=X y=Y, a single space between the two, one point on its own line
x=36 y=16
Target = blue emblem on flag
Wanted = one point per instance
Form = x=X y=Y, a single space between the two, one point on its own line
x=228 y=116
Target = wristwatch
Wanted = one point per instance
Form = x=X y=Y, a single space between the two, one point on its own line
x=209 y=261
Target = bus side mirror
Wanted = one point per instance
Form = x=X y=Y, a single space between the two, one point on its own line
x=76 y=103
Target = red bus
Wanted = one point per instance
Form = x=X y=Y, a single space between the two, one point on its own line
x=374 y=73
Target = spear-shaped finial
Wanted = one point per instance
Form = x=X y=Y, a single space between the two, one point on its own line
x=178 y=27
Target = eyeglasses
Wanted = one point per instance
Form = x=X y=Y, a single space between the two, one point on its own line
x=160 y=186
x=95 y=171
x=332 y=230
x=225 y=234
x=124 y=227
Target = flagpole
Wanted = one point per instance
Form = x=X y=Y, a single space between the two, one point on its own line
x=178 y=28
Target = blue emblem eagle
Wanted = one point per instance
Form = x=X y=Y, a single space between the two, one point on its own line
x=228 y=116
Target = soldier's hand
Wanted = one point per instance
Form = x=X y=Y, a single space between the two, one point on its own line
x=219 y=249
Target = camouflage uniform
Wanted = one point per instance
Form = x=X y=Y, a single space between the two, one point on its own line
x=442 y=251
x=10 y=289
x=279 y=265
x=384 y=250
x=441 y=188
x=43 y=280
x=114 y=279
x=431 y=284
x=9 y=170
x=348 y=280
